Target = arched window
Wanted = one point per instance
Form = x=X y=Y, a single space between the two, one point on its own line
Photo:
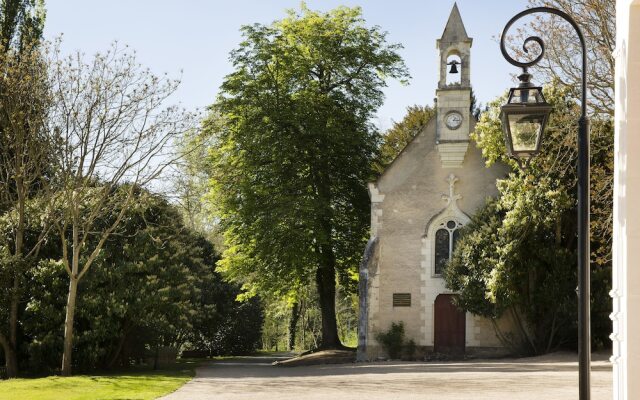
x=445 y=241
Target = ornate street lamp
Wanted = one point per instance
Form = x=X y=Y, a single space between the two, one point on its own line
x=523 y=119
x=523 y=132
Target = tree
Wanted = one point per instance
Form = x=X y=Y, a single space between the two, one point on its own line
x=190 y=181
x=110 y=118
x=518 y=255
x=21 y=24
x=291 y=162
x=561 y=65
x=154 y=285
x=401 y=133
x=561 y=62
x=24 y=147
x=141 y=292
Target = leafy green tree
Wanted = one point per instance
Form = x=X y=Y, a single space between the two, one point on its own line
x=140 y=294
x=24 y=150
x=221 y=325
x=291 y=162
x=190 y=180
x=21 y=24
x=114 y=127
x=154 y=285
x=518 y=255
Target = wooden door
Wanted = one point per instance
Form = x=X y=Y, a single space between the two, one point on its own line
x=449 y=326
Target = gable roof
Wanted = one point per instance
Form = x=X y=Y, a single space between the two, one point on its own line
x=414 y=140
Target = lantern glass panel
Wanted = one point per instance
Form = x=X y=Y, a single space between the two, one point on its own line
x=526 y=96
x=525 y=131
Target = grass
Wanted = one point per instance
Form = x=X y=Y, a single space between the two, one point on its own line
x=130 y=385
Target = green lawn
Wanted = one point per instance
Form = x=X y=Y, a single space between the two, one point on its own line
x=137 y=384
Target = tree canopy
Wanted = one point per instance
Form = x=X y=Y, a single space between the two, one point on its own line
x=153 y=286
x=21 y=24
x=561 y=63
x=518 y=255
x=25 y=148
x=292 y=158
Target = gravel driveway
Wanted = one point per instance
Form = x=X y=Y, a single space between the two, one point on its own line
x=552 y=377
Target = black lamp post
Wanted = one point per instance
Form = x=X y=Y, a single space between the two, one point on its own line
x=523 y=120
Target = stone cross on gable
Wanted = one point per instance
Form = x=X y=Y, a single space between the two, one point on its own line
x=451 y=197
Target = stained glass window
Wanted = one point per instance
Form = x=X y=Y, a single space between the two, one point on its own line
x=446 y=238
x=442 y=249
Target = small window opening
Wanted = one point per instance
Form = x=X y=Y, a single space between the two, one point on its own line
x=454 y=70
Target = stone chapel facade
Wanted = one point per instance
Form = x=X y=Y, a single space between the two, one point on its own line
x=417 y=207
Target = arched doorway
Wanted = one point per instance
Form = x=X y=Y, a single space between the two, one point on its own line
x=449 y=326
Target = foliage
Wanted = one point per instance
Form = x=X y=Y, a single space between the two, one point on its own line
x=518 y=256
x=274 y=333
x=222 y=325
x=78 y=142
x=240 y=331
x=21 y=24
x=392 y=340
x=141 y=384
x=114 y=127
x=401 y=133
x=306 y=333
x=596 y=19
x=191 y=178
x=24 y=151
x=292 y=158
x=154 y=285
x=410 y=350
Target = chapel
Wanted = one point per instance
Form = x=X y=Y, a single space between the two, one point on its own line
x=418 y=205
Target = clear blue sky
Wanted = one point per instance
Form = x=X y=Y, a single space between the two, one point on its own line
x=195 y=37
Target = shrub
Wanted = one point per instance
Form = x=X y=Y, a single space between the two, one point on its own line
x=392 y=340
x=410 y=350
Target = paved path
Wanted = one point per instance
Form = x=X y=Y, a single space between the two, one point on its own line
x=254 y=378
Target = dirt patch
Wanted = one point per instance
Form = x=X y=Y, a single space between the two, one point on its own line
x=319 y=358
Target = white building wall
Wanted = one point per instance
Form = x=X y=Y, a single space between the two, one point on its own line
x=404 y=202
x=626 y=213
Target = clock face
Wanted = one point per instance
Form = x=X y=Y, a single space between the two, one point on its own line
x=453 y=120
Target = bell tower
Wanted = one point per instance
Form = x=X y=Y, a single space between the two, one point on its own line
x=453 y=96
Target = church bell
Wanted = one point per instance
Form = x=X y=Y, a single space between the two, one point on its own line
x=454 y=67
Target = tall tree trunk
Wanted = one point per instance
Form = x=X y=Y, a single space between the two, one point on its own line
x=326 y=283
x=293 y=323
x=326 y=272
x=68 y=326
x=11 y=348
x=10 y=357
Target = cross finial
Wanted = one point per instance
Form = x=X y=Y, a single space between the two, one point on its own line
x=452 y=197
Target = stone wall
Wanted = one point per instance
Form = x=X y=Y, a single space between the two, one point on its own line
x=404 y=201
